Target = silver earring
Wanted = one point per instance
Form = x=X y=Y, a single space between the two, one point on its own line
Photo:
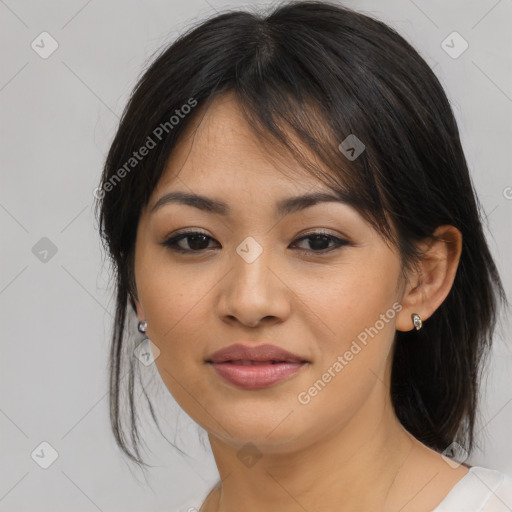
x=416 y=320
x=142 y=326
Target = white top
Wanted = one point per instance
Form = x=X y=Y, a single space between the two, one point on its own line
x=479 y=490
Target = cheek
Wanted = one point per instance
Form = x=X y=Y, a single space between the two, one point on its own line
x=354 y=300
x=176 y=308
x=170 y=292
x=360 y=310
x=174 y=304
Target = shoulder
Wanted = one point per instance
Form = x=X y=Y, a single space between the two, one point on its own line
x=480 y=490
x=195 y=504
x=191 y=506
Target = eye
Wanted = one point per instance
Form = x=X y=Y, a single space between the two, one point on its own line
x=318 y=241
x=198 y=241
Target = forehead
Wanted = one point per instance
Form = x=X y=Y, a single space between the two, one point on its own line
x=220 y=167
x=219 y=150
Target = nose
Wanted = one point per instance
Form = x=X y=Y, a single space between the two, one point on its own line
x=254 y=292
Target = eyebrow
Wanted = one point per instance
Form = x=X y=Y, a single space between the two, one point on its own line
x=283 y=207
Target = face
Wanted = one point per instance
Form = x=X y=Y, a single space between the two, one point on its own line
x=318 y=282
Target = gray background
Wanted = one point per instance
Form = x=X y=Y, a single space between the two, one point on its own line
x=59 y=115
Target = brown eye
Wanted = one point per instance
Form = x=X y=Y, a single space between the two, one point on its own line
x=195 y=240
x=319 y=242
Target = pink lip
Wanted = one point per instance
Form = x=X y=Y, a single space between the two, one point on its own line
x=256 y=376
x=269 y=365
x=239 y=352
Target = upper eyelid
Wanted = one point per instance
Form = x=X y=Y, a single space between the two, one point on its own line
x=339 y=240
x=317 y=232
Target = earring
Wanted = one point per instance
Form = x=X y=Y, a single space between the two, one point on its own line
x=142 y=326
x=416 y=320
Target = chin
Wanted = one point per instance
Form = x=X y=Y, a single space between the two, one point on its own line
x=270 y=433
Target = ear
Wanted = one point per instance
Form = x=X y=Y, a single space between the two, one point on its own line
x=430 y=284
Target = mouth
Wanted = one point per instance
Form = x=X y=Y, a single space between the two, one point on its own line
x=255 y=367
x=240 y=362
x=256 y=375
x=248 y=354
x=253 y=375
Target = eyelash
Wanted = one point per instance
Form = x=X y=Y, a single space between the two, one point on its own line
x=172 y=241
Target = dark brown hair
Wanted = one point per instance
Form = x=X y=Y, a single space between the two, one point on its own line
x=322 y=72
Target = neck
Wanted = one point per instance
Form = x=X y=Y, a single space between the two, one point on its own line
x=352 y=467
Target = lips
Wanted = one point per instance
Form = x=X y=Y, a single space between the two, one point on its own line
x=244 y=355
x=255 y=367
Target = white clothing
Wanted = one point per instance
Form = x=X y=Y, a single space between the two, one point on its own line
x=479 y=490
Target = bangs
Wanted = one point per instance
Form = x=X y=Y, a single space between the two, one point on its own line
x=299 y=130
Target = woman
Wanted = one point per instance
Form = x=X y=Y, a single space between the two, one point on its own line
x=289 y=212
